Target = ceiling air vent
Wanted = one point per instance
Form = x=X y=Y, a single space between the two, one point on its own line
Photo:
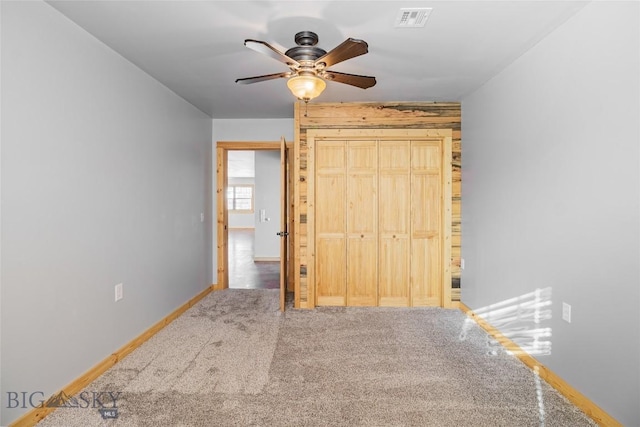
x=412 y=18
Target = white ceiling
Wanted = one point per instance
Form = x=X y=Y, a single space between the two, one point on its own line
x=196 y=47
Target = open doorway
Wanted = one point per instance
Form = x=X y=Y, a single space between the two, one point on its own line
x=273 y=222
x=253 y=196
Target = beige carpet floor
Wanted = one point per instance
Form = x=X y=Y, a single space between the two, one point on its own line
x=234 y=360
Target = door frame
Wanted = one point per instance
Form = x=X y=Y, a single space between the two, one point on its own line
x=445 y=137
x=222 y=214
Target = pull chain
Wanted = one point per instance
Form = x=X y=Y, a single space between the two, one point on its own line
x=306 y=103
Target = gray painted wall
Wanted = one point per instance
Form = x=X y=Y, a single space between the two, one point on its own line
x=551 y=197
x=105 y=174
x=267 y=243
x=244 y=130
x=253 y=129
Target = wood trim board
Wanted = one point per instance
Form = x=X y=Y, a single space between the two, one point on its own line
x=249 y=145
x=222 y=214
x=587 y=406
x=447 y=183
x=296 y=206
x=36 y=415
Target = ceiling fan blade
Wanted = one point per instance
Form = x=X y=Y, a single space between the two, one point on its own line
x=362 y=82
x=348 y=49
x=256 y=79
x=267 y=49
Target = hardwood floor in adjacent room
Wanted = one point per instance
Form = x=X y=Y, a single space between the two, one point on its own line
x=244 y=272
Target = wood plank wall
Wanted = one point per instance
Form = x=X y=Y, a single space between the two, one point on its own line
x=396 y=115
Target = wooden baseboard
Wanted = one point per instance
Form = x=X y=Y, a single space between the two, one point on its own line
x=36 y=415
x=266 y=259
x=217 y=287
x=454 y=304
x=574 y=396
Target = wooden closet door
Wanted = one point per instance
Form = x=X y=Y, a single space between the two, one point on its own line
x=330 y=225
x=426 y=200
x=394 y=202
x=362 y=223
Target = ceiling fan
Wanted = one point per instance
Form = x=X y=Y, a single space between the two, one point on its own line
x=308 y=64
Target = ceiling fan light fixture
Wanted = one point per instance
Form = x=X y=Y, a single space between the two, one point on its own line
x=306 y=86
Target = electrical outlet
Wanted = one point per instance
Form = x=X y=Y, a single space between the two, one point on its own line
x=119 y=293
x=566 y=312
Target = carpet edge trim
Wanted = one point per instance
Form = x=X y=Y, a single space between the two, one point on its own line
x=587 y=406
x=36 y=415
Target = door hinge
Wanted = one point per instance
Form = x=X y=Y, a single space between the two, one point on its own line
x=282 y=233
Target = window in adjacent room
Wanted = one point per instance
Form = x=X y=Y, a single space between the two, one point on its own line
x=240 y=198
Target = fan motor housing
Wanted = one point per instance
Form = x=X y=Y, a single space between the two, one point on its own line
x=306 y=49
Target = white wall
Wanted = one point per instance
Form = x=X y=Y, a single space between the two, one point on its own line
x=105 y=174
x=245 y=130
x=253 y=129
x=551 y=197
x=242 y=220
x=267 y=243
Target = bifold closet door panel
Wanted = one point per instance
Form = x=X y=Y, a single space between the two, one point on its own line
x=330 y=225
x=394 y=231
x=378 y=221
x=362 y=223
x=426 y=200
x=362 y=280
x=330 y=271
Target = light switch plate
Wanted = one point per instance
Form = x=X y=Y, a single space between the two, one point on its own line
x=119 y=292
x=566 y=312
